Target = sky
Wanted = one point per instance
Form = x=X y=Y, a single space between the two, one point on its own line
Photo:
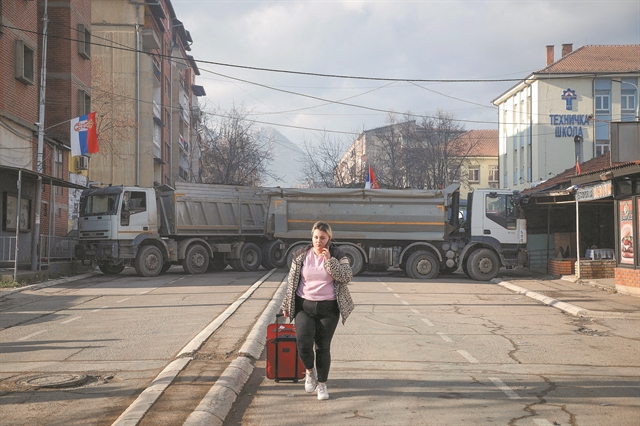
x=498 y=40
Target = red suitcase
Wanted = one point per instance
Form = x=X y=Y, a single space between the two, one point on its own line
x=283 y=362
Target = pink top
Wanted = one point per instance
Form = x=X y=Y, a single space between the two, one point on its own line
x=315 y=282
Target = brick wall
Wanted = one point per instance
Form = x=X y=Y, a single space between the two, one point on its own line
x=604 y=268
x=560 y=267
x=627 y=281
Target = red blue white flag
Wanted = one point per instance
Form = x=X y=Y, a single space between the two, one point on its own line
x=84 y=135
x=371 y=183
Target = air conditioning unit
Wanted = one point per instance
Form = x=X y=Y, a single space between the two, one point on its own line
x=82 y=163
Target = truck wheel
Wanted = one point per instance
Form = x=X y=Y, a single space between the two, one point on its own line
x=109 y=269
x=294 y=248
x=149 y=261
x=273 y=256
x=196 y=260
x=355 y=258
x=165 y=267
x=483 y=265
x=422 y=265
x=218 y=263
x=250 y=257
x=464 y=268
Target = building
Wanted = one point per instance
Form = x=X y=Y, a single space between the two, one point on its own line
x=67 y=95
x=147 y=78
x=561 y=113
x=477 y=165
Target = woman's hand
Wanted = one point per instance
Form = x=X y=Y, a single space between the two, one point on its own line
x=286 y=314
x=326 y=254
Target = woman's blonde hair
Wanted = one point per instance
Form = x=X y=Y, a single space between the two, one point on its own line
x=324 y=227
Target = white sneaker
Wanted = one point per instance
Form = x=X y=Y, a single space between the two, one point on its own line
x=310 y=381
x=322 y=391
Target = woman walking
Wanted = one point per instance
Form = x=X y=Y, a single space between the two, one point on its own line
x=317 y=295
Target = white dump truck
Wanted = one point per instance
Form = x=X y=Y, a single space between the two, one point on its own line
x=207 y=227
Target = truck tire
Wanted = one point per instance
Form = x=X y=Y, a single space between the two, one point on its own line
x=250 y=258
x=483 y=265
x=273 y=256
x=355 y=258
x=109 y=269
x=196 y=260
x=422 y=265
x=148 y=262
x=165 y=267
x=218 y=263
x=294 y=248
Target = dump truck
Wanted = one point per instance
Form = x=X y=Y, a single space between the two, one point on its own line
x=418 y=231
x=200 y=226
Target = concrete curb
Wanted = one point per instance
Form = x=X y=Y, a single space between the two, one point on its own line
x=46 y=284
x=217 y=403
x=564 y=306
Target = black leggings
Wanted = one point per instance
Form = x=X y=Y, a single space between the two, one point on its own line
x=315 y=323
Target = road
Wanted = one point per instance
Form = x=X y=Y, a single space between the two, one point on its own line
x=450 y=351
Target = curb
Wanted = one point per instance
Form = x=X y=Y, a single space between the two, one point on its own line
x=49 y=283
x=564 y=306
x=217 y=403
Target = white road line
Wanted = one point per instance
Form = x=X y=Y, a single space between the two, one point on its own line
x=99 y=309
x=504 y=388
x=426 y=321
x=445 y=337
x=404 y=302
x=32 y=334
x=415 y=311
x=389 y=289
x=70 y=320
x=120 y=301
x=468 y=357
x=542 y=422
x=396 y=295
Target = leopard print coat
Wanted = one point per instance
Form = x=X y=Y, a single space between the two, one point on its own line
x=339 y=270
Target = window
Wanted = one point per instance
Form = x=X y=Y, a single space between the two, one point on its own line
x=602 y=146
x=84 y=103
x=474 y=174
x=499 y=210
x=454 y=173
x=133 y=202
x=58 y=169
x=602 y=101
x=628 y=101
x=157 y=139
x=84 y=42
x=23 y=65
x=493 y=174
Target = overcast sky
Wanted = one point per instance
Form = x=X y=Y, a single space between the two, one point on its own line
x=387 y=39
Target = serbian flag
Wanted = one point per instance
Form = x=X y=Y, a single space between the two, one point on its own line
x=578 y=166
x=371 y=183
x=84 y=135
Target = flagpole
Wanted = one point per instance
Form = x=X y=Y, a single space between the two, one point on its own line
x=39 y=159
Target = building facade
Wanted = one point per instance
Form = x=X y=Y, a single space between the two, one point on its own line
x=560 y=115
x=143 y=66
x=477 y=164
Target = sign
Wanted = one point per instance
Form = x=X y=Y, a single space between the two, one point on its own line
x=625 y=207
x=569 y=96
x=596 y=192
x=11 y=210
x=568 y=125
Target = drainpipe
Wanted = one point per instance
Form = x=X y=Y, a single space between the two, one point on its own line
x=137 y=93
x=40 y=158
x=15 y=260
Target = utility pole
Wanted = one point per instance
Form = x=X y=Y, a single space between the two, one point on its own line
x=40 y=156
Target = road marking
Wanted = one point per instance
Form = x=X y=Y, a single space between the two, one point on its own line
x=415 y=311
x=69 y=320
x=445 y=337
x=32 y=334
x=542 y=422
x=404 y=302
x=504 y=388
x=120 y=301
x=99 y=309
x=426 y=321
x=468 y=356
x=396 y=295
x=389 y=289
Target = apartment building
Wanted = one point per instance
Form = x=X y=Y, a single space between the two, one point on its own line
x=476 y=152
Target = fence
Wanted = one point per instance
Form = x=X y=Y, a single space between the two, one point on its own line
x=56 y=249
x=7 y=249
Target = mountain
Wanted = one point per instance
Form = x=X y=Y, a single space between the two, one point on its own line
x=286 y=162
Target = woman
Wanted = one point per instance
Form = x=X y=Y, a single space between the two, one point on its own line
x=317 y=295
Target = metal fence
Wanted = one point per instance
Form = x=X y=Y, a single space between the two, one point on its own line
x=56 y=248
x=7 y=249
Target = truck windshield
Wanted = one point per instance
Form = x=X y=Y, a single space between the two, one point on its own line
x=96 y=205
x=500 y=210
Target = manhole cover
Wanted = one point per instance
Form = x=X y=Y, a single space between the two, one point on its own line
x=63 y=380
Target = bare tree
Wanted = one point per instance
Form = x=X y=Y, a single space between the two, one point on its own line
x=233 y=152
x=322 y=165
x=386 y=152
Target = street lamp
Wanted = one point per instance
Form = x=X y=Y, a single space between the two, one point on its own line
x=635 y=99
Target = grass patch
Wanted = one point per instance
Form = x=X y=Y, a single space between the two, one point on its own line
x=10 y=284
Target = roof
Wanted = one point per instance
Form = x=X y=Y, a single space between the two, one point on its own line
x=46 y=179
x=476 y=143
x=597 y=59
